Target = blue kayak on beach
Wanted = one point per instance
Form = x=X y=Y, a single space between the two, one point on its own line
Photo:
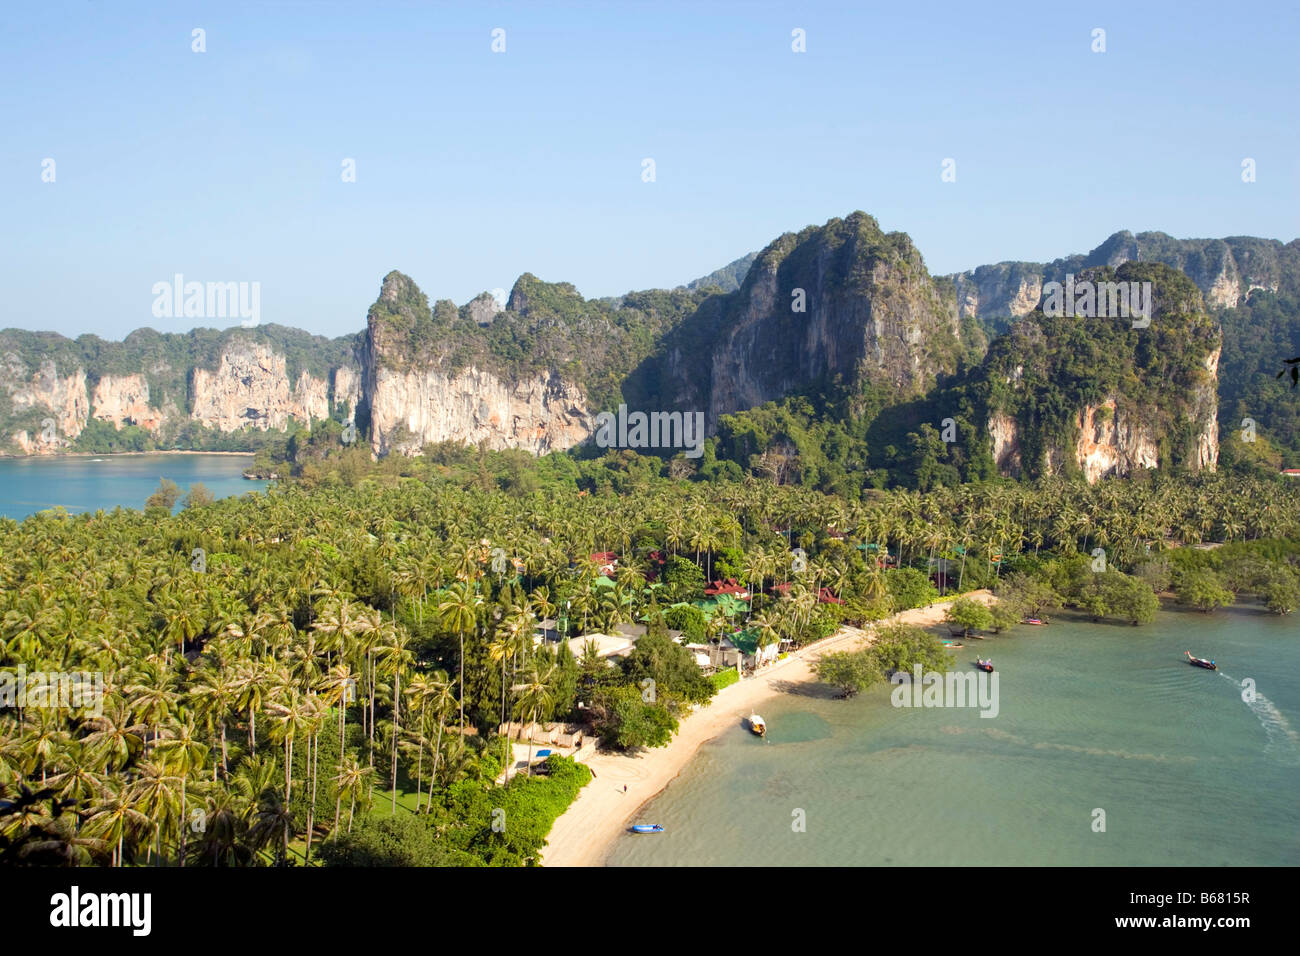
x=647 y=828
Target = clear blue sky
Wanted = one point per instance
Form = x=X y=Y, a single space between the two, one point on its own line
x=473 y=167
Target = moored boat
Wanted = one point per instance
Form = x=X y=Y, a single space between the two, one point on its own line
x=758 y=725
x=1201 y=662
x=985 y=665
x=1034 y=620
x=647 y=828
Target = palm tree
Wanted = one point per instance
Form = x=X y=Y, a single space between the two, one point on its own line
x=396 y=660
x=534 y=700
x=113 y=737
x=354 y=781
x=182 y=753
x=214 y=695
x=114 y=819
x=442 y=700
x=156 y=796
x=501 y=650
x=459 y=612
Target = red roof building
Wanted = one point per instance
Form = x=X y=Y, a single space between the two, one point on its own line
x=729 y=586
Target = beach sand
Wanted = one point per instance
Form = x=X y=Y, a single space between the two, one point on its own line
x=583 y=834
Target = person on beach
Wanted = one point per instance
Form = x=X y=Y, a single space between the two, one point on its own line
x=625 y=788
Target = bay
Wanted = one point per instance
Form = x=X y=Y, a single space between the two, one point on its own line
x=77 y=483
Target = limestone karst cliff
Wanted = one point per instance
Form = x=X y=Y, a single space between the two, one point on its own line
x=1225 y=271
x=52 y=389
x=251 y=387
x=841 y=303
x=415 y=387
x=1097 y=397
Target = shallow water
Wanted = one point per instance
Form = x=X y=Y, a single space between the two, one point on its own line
x=1092 y=717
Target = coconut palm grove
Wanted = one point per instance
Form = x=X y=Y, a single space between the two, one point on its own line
x=326 y=674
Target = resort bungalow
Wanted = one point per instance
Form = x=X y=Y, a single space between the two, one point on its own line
x=742 y=647
x=729 y=586
x=607 y=645
x=547 y=629
x=705 y=655
x=728 y=604
x=606 y=561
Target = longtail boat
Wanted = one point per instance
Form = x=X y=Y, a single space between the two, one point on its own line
x=1201 y=662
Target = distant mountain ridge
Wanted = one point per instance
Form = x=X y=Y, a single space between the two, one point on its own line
x=842 y=306
x=1225 y=270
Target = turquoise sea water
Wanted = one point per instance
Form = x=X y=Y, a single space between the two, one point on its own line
x=1091 y=717
x=28 y=485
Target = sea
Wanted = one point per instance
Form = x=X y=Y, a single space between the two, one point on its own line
x=1107 y=749
x=77 y=483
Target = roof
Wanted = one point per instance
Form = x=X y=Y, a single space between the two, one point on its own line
x=729 y=604
x=729 y=586
x=607 y=645
x=746 y=642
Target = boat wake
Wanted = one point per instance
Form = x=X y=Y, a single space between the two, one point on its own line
x=1283 y=741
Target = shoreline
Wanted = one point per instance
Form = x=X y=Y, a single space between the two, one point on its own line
x=585 y=833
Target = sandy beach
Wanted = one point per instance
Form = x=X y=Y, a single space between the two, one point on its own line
x=583 y=834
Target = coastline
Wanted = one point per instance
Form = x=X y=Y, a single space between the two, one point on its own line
x=584 y=834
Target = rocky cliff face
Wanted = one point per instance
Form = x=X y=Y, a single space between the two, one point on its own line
x=842 y=303
x=1009 y=289
x=413 y=408
x=1148 y=413
x=250 y=387
x=1110 y=442
x=1006 y=443
x=1205 y=413
x=347 y=387
x=123 y=400
x=412 y=394
x=57 y=405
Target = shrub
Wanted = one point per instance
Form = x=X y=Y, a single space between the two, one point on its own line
x=725 y=678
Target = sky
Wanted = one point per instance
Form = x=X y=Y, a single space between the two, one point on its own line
x=473 y=166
